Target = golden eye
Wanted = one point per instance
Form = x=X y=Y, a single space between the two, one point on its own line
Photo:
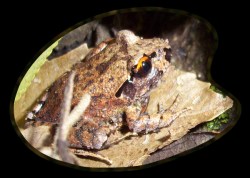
x=143 y=67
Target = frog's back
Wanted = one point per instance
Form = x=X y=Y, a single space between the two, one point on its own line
x=96 y=76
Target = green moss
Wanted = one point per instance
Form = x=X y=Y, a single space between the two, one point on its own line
x=218 y=122
x=222 y=119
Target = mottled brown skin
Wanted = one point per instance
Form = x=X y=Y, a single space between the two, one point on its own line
x=103 y=75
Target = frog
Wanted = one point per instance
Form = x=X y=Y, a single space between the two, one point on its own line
x=119 y=75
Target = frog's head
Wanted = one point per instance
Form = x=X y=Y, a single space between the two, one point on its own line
x=148 y=71
x=146 y=67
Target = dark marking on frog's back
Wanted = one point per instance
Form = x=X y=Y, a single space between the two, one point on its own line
x=97 y=97
x=89 y=66
x=101 y=68
x=88 y=83
x=76 y=79
x=124 y=47
x=111 y=79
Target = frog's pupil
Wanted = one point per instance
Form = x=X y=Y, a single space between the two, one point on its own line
x=146 y=65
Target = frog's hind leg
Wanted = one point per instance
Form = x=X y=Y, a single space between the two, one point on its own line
x=162 y=118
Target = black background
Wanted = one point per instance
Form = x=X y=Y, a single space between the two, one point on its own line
x=29 y=27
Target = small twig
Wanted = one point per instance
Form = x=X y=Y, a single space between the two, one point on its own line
x=78 y=110
x=146 y=141
x=68 y=120
x=65 y=111
x=129 y=134
x=60 y=143
x=90 y=154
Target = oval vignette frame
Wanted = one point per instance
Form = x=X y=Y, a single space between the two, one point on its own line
x=111 y=20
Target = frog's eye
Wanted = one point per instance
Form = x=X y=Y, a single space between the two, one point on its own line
x=143 y=67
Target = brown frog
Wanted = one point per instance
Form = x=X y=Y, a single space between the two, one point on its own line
x=118 y=75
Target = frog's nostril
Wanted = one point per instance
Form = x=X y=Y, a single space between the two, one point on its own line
x=168 y=54
x=160 y=72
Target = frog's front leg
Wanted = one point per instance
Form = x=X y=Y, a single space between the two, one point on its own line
x=139 y=122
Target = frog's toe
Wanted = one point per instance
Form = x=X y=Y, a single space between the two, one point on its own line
x=100 y=137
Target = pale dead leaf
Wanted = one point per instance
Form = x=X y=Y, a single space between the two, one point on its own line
x=38 y=136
